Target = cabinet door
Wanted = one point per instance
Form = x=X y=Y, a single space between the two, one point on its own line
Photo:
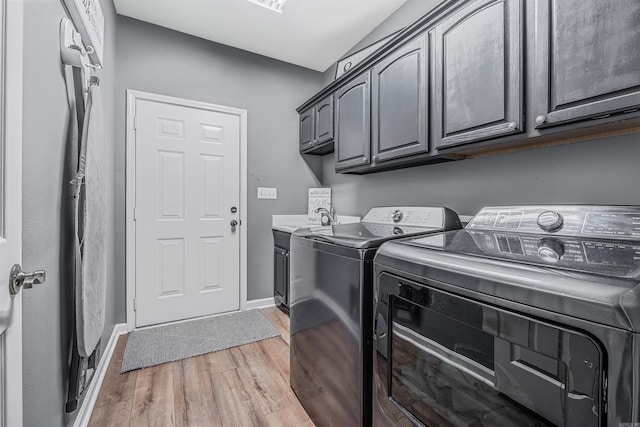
x=399 y=103
x=280 y=273
x=307 y=128
x=324 y=120
x=287 y=278
x=587 y=59
x=478 y=66
x=353 y=123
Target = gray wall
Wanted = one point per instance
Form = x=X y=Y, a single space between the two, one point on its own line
x=158 y=60
x=600 y=171
x=46 y=209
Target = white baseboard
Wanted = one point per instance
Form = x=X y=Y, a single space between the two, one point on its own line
x=260 y=303
x=91 y=394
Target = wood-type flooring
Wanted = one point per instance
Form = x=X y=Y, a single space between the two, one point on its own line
x=241 y=386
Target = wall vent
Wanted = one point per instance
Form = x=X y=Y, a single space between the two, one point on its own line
x=274 y=5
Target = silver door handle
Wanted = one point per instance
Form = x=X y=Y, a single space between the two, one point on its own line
x=18 y=279
x=234 y=223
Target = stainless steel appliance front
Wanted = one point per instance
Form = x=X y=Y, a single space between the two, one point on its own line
x=529 y=316
x=444 y=360
x=331 y=309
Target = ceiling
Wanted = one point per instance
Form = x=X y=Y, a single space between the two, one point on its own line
x=310 y=33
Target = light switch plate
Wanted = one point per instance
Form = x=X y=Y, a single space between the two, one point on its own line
x=267 y=193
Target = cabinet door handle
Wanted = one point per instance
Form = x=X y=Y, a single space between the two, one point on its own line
x=375 y=158
x=540 y=119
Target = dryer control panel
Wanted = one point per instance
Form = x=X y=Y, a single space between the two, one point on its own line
x=410 y=216
x=604 y=222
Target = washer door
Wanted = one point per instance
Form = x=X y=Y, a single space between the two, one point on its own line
x=446 y=360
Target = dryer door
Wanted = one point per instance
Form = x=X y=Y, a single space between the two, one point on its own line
x=446 y=360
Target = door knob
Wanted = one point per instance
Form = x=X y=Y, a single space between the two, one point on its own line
x=19 y=279
x=234 y=223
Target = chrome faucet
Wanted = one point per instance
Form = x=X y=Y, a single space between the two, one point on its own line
x=327 y=216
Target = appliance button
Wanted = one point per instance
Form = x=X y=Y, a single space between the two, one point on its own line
x=397 y=215
x=550 y=249
x=550 y=221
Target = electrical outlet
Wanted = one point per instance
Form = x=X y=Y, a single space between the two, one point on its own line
x=267 y=193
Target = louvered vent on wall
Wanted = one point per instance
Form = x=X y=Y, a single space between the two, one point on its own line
x=274 y=5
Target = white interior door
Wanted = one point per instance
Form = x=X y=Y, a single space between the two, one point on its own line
x=10 y=210
x=187 y=195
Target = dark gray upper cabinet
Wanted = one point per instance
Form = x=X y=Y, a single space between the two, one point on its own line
x=452 y=84
x=316 y=128
x=324 y=120
x=478 y=73
x=307 y=129
x=587 y=59
x=353 y=123
x=399 y=102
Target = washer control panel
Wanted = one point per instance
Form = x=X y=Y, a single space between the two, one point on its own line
x=410 y=216
x=605 y=222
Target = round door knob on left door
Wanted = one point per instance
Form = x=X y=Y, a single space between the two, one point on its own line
x=18 y=279
x=234 y=224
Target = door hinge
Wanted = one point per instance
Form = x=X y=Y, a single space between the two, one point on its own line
x=135 y=304
x=134 y=214
x=135 y=122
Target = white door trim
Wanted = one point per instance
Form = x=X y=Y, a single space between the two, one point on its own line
x=132 y=97
x=11 y=366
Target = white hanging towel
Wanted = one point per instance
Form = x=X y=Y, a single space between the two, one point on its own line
x=91 y=279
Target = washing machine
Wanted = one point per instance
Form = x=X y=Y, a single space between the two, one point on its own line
x=331 y=308
x=530 y=316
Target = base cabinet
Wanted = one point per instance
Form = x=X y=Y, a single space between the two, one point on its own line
x=281 y=268
x=281 y=277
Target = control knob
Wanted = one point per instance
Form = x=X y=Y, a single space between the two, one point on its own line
x=550 y=221
x=397 y=216
x=550 y=249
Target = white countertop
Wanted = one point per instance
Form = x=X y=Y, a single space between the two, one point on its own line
x=290 y=223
